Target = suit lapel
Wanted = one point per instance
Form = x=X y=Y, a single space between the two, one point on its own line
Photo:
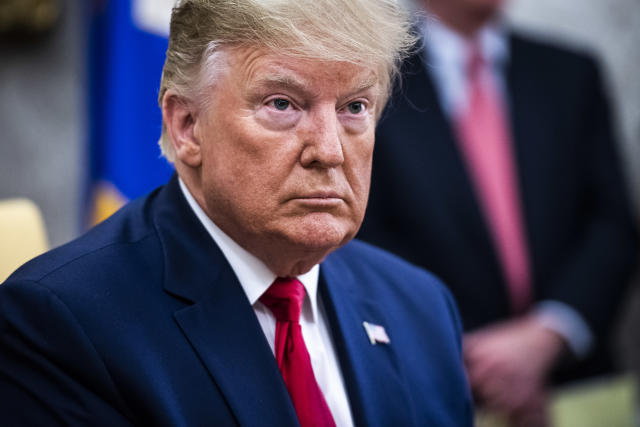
x=529 y=110
x=226 y=335
x=371 y=373
x=220 y=324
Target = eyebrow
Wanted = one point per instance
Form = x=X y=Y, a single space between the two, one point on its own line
x=284 y=81
x=367 y=83
x=290 y=82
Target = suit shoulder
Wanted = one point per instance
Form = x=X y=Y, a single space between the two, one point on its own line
x=375 y=256
x=556 y=54
x=366 y=260
x=131 y=224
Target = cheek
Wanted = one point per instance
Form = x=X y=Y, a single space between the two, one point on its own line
x=226 y=166
x=358 y=167
x=249 y=168
x=362 y=148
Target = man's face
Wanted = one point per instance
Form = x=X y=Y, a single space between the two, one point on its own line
x=463 y=9
x=487 y=8
x=286 y=150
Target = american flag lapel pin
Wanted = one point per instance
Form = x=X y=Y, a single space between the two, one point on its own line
x=376 y=333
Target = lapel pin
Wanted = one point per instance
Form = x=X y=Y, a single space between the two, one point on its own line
x=376 y=333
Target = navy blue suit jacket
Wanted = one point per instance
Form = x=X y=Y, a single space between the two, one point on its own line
x=577 y=217
x=142 y=321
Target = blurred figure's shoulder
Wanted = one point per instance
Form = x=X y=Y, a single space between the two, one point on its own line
x=553 y=52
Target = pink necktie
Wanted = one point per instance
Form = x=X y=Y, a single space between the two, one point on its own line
x=284 y=298
x=485 y=141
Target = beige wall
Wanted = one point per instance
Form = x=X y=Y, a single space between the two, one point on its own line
x=42 y=121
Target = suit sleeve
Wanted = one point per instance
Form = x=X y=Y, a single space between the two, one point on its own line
x=595 y=273
x=50 y=373
x=467 y=415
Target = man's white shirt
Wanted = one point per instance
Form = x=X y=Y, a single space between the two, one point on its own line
x=255 y=278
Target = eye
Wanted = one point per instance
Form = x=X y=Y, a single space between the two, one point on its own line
x=281 y=104
x=356 y=107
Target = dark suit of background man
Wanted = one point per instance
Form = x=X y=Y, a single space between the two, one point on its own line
x=432 y=200
x=171 y=311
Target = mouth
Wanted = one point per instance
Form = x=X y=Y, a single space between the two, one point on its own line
x=319 y=199
x=321 y=195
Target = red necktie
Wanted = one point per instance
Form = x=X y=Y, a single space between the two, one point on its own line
x=487 y=147
x=284 y=298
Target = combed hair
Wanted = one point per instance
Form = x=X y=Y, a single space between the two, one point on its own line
x=374 y=33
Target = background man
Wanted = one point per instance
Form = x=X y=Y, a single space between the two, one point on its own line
x=495 y=167
x=171 y=311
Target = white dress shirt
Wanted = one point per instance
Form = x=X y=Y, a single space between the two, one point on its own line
x=445 y=55
x=255 y=278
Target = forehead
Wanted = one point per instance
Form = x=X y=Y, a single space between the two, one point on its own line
x=260 y=68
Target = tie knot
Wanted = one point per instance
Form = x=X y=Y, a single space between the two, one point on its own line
x=475 y=60
x=284 y=298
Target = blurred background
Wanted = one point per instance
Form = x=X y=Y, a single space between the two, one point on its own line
x=48 y=112
x=79 y=116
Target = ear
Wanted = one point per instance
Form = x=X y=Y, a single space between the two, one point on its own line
x=179 y=117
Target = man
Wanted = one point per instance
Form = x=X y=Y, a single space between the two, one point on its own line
x=495 y=167
x=171 y=312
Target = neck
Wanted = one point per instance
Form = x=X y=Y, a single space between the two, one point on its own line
x=293 y=264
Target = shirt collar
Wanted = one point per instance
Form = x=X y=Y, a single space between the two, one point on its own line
x=448 y=47
x=254 y=276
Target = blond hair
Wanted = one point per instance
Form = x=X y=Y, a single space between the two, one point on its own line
x=373 y=33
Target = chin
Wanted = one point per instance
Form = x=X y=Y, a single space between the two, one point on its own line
x=321 y=234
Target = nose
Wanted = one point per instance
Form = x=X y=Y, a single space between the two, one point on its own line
x=322 y=142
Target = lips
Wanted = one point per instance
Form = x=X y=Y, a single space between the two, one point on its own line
x=320 y=195
x=318 y=200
